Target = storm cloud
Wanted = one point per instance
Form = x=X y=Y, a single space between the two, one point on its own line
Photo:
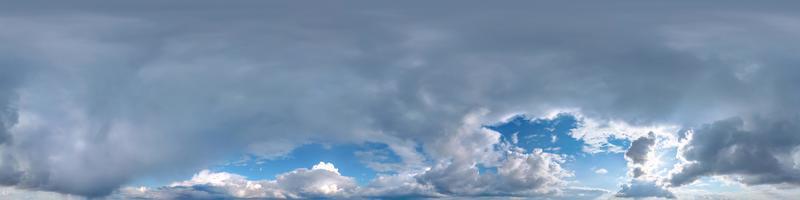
x=97 y=94
x=760 y=152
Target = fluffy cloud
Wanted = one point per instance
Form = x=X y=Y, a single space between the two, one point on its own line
x=761 y=151
x=399 y=186
x=642 y=184
x=640 y=149
x=638 y=154
x=517 y=172
x=641 y=189
x=597 y=133
x=95 y=95
x=322 y=180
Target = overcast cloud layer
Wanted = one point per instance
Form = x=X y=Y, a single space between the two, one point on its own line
x=96 y=95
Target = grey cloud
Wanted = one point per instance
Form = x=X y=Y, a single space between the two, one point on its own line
x=642 y=189
x=124 y=91
x=14 y=193
x=402 y=186
x=641 y=186
x=520 y=174
x=10 y=78
x=640 y=148
x=761 y=151
x=318 y=182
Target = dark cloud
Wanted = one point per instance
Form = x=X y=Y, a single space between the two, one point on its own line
x=97 y=94
x=643 y=189
x=10 y=78
x=640 y=148
x=641 y=185
x=761 y=151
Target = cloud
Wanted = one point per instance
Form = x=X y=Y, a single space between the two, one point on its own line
x=640 y=149
x=15 y=193
x=761 y=151
x=596 y=133
x=601 y=171
x=518 y=172
x=641 y=189
x=640 y=160
x=322 y=180
x=399 y=186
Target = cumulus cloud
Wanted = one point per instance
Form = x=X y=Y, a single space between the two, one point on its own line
x=405 y=185
x=518 y=172
x=95 y=95
x=640 y=149
x=761 y=151
x=322 y=180
x=642 y=189
x=597 y=133
x=642 y=183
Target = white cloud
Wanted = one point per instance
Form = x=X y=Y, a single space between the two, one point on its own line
x=597 y=132
x=18 y=193
x=402 y=185
x=518 y=172
x=323 y=180
x=601 y=171
x=325 y=166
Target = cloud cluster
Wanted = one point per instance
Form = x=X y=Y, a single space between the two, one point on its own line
x=761 y=151
x=642 y=189
x=322 y=180
x=638 y=153
x=520 y=174
x=642 y=183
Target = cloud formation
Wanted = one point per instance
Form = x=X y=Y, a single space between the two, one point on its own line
x=520 y=174
x=642 y=189
x=761 y=152
x=322 y=180
x=640 y=149
x=642 y=183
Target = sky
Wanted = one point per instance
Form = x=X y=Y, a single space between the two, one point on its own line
x=200 y=99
